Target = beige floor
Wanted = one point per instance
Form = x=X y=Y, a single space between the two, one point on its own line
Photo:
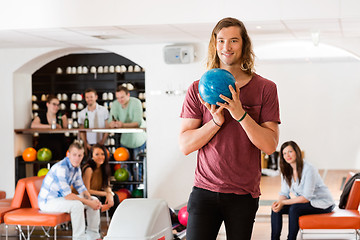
x=270 y=187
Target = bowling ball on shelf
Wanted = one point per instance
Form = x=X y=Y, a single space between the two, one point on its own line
x=44 y=154
x=117 y=166
x=42 y=172
x=137 y=193
x=122 y=195
x=183 y=216
x=215 y=82
x=108 y=153
x=126 y=191
x=29 y=154
x=121 y=175
x=121 y=154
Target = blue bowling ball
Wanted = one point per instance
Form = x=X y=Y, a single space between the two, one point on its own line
x=215 y=82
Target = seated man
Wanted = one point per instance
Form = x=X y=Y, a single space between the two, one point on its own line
x=56 y=196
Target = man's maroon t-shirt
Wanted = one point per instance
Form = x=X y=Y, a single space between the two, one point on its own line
x=229 y=162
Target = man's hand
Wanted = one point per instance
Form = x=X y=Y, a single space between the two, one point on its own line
x=233 y=105
x=216 y=112
x=119 y=124
x=71 y=196
x=112 y=124
x=94 y=204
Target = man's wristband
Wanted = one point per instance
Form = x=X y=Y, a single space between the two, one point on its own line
x=242 y=118
x=216 y=123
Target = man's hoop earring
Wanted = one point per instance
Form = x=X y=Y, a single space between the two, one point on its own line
x=242 y=67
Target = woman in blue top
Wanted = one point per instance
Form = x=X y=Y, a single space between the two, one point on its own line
x=311 y=196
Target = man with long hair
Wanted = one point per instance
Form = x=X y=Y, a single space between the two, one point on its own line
x=229 y=139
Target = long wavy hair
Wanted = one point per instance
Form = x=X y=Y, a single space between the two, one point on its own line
x=105 y=168
x=285 y=168
x=247 y=56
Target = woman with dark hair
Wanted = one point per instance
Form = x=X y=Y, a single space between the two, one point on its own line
x=55 y=142
x=311 y=195
x=96 y=176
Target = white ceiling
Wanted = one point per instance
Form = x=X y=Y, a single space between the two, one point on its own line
x=333 y=31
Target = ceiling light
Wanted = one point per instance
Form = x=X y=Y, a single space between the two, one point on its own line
x=300 y=50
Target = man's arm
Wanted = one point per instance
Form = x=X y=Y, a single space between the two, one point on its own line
x=87 y=200
x=128 y=125
x=111 y=122
x=80 y=187
x=136 y=116
x=105 y=135
x=193 y=137
x=264 y=136
x=87 y=146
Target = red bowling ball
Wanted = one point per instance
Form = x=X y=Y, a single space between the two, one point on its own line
x=183 y=216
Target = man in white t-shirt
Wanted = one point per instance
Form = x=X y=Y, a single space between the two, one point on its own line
x=98 y=118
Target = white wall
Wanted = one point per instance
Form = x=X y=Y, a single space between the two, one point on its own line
x=319 y=109
x=14 y=98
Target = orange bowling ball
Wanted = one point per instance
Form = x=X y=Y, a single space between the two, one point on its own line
x=121 y=154
x=125 y=190
x=29 y=154
x=107 y=153
x=122 y=195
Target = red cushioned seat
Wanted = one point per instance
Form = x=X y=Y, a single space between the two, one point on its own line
x=32 y=216
x=348 y=218
x=20 y=199
x=338 y=219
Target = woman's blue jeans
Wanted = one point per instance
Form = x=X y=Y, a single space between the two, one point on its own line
x=294 y=211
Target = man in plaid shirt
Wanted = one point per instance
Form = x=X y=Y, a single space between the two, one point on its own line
x=56 y=195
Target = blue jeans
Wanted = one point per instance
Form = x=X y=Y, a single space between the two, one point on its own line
x=294 y=211
x=207 y=210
